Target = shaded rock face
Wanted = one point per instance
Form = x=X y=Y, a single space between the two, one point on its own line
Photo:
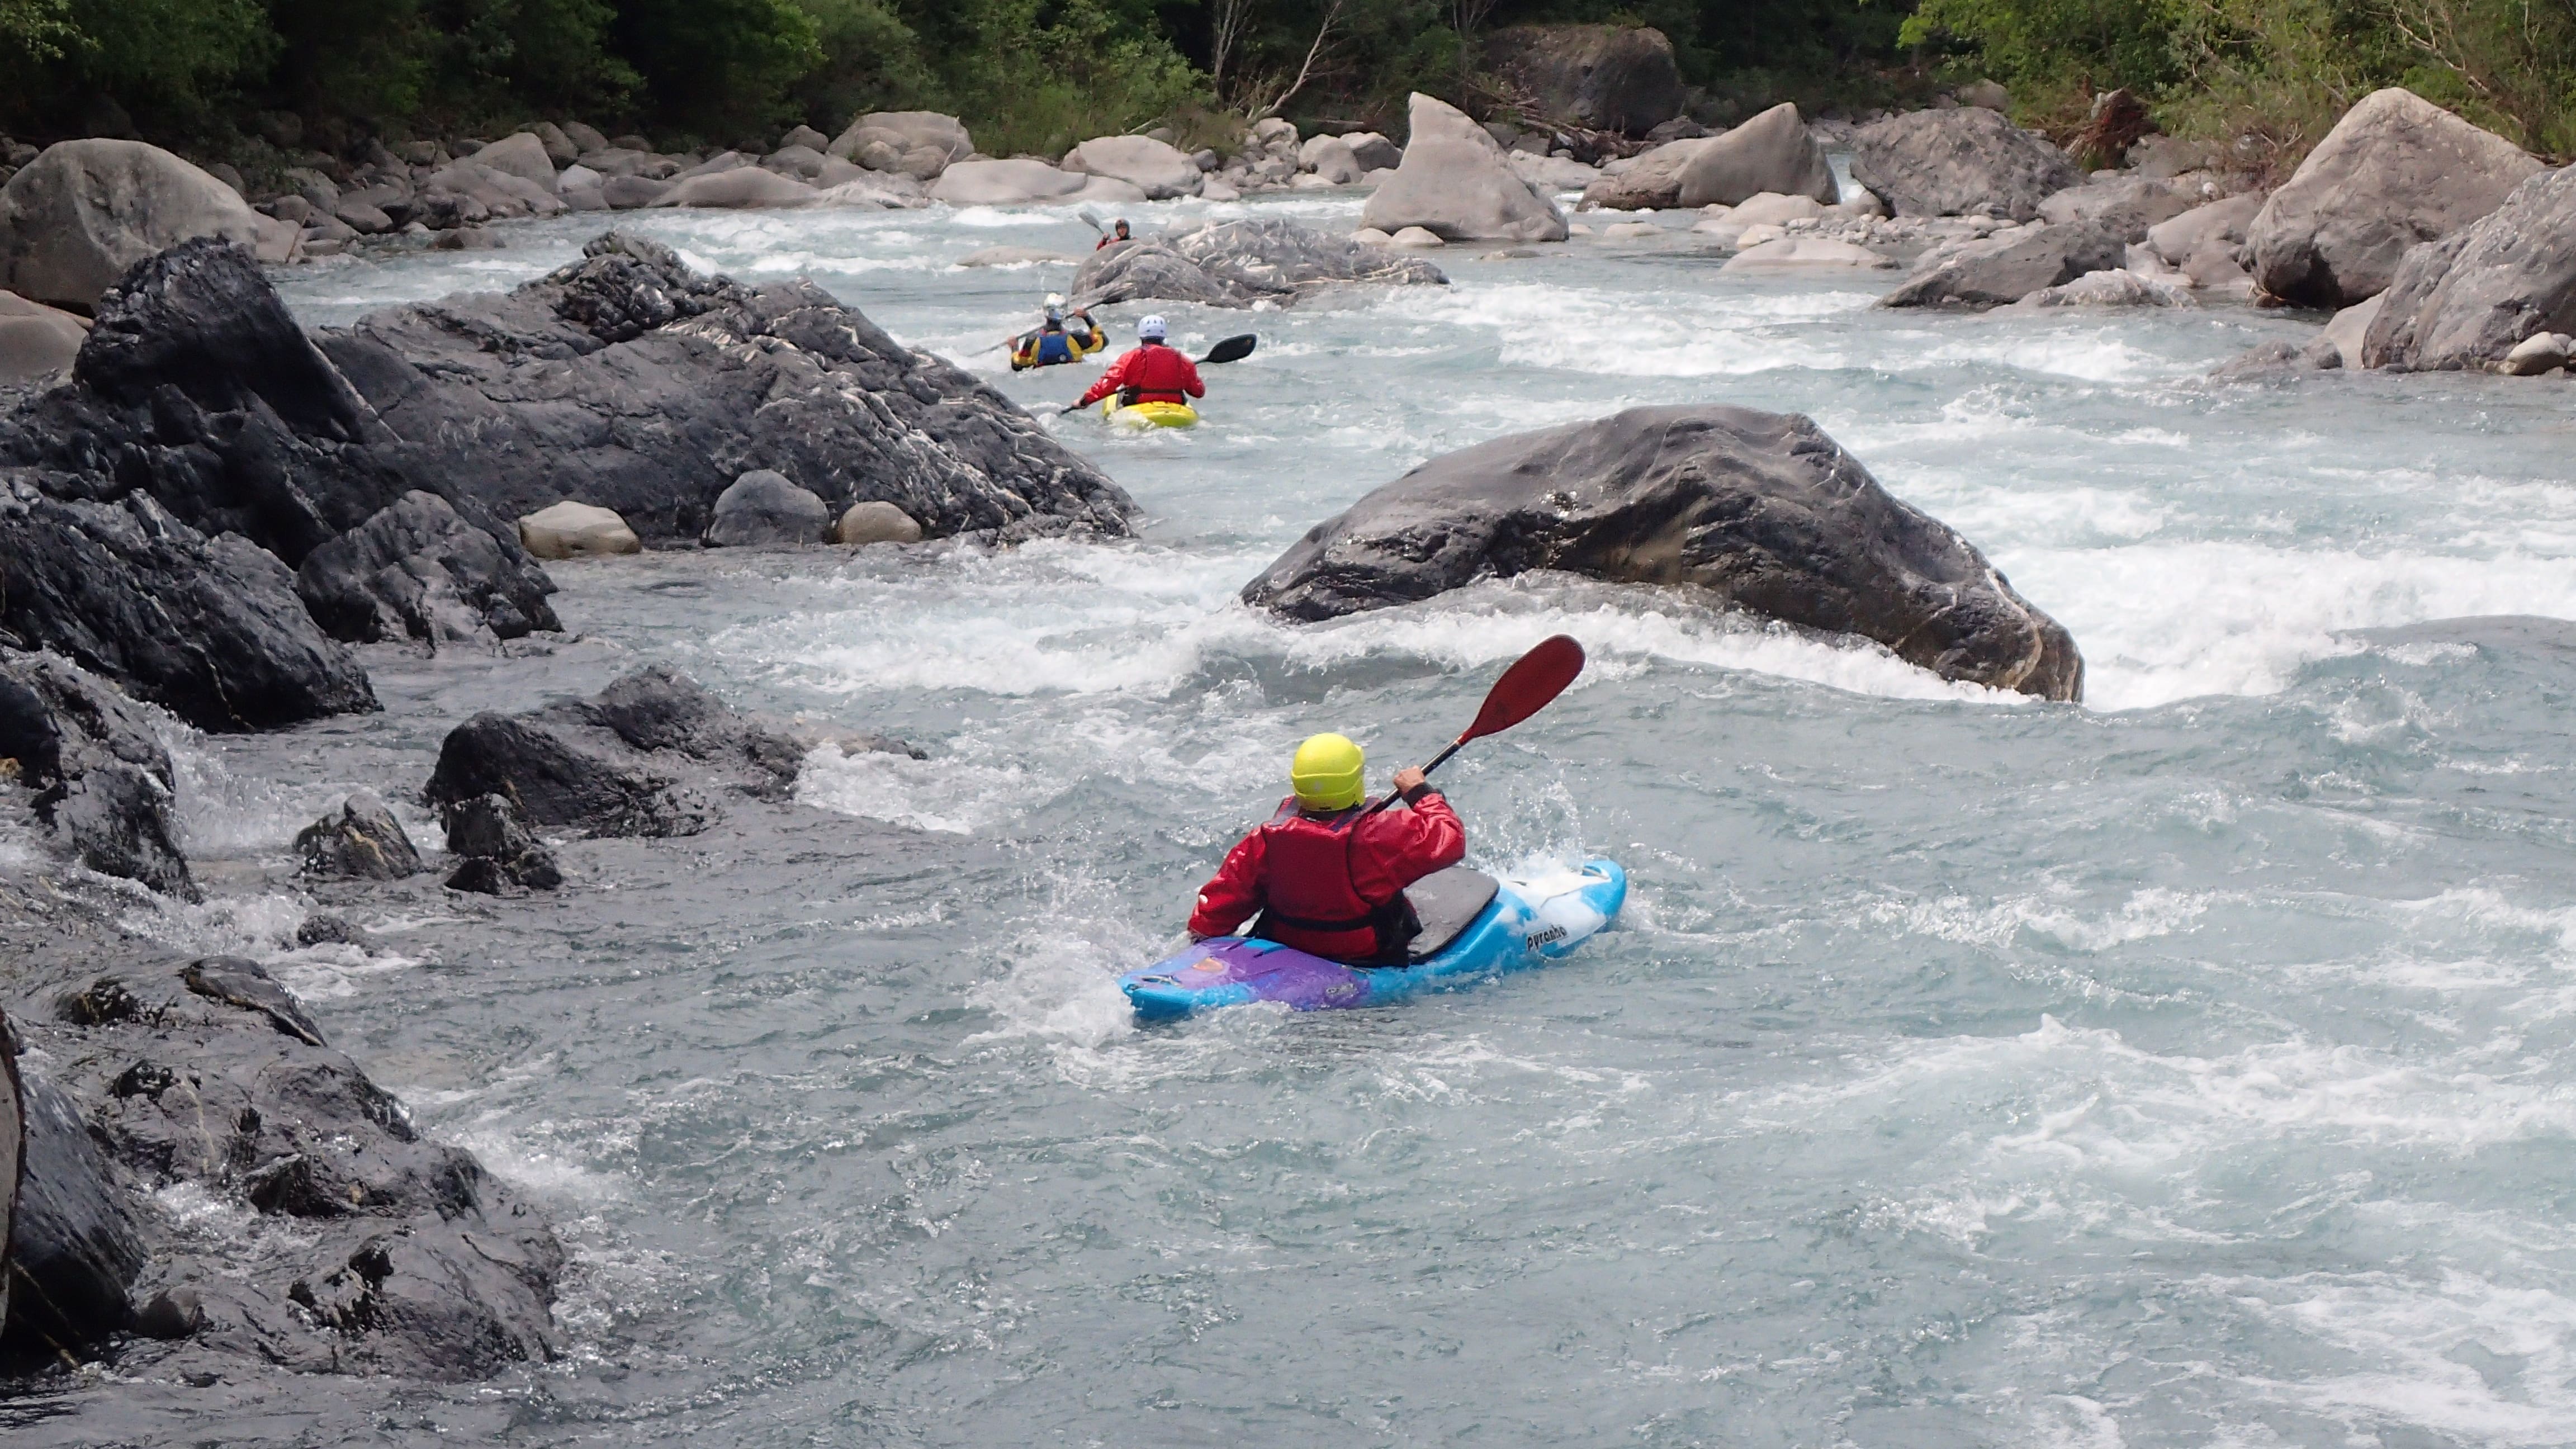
x=2000 y=270
x=2395 y=171
x=73 y=1246
x=376 y=1252
x=209 y=629
x=101 y=777
x=627 y=381
x=1606 y=77
x=1770 y=153
x=1951 y=163
x=13 y=1143
x=1236 y=263
x=73 y=219
x=2468 y=300
x=418 y=570
x=359 y=841
x=1762 y=510
x=611 y=764
x=497 y=854
x=762 y=507
x=1455 y=184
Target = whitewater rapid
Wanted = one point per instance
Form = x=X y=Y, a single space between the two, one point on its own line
x=2190 y=1067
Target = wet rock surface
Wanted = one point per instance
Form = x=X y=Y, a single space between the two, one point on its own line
x=1237 y=263
x=418 y=570
x=100 y=772
x=1761 y=510
x=2004 y=269
x=359 y=841
x=498 y=855
x=629 y=382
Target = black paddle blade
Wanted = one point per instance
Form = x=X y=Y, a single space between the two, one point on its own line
x=1232 y=349
x=1534 y=679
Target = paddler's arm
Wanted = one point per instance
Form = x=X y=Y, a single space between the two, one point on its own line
x=1234 y=895
x=1110 y=381
x=1431 y=837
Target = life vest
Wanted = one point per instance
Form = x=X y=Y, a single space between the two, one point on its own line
x=1156 y=373
x=1045 y=348
x=1311 y=903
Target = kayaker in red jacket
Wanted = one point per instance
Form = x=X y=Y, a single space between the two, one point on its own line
x=1327 y=877
x=1149 y=372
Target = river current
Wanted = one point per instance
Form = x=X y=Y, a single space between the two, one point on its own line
x=2190 y=1067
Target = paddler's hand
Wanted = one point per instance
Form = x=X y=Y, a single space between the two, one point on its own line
x=1410 y=779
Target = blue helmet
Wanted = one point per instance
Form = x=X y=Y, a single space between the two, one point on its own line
x=1151 y=329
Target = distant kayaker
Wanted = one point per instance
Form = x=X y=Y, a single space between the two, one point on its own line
x=1327 y=877
x=1148 y=372
x=1117 y=233
x=1053 y=342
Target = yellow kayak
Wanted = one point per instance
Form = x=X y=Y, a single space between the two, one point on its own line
x=1150 y=414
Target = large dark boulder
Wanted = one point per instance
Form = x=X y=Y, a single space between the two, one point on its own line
x=1605 y=77
x=1761 y=510
x=559 y=769
x=2468 y=299
x=101 y=776
x=2005 y=269
x=13 y=1145
x=418 y=570
x=2396 y=171
x=497 y=854
x=627 y=381
x=209 y=629
x=1238 y=263
x=375 y=1251
x=73 y=1249
x=1952 y=163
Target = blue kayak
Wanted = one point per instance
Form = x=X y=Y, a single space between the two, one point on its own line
x=1473 y=926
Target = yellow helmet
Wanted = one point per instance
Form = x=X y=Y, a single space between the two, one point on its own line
x=1327 y=773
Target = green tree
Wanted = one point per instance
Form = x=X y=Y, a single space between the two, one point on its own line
x=717 y=68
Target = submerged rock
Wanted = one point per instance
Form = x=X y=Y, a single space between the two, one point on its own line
x=2395 y=171
x=1237 y=263
x=2004 y=269
x=612 y=764
x=1951 y=163
x=1760 y=510
x=498 y=854
x=360 y=841
x=101 y=776
x=2473 y=298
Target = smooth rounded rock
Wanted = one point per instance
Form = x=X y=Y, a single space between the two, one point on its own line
x=1159 y=170
x=741 y=187
x=73 y=219
x=1004 y=183
x=1771 y=153
x=576 y=530
x=764 y=507
x=875 y=522
x=35 y=339
x=1456 y=184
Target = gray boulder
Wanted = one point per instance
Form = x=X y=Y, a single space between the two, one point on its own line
x=1003 y=183
x=626 y=193
x=1372 y=151
x=1159 y=170
x=360 y=841
x=908 y=131
x=1762 y=511
x=1236 y=263
x=1951 y=163
x=1604 y=77
x=101 y=775
x=76 y=217
x=497 y=854
x=1770 y=153
x=418 y=570
x=2128 y=207
x=1455 y=184
x=2203 y=229
x=1331 y=158
x=1648 y=182
x=2005 y=269
x=37 y=340
x=763 y=507
x=2397 y=170
x=2470 y=299
x=741 y=187
x=523 y=155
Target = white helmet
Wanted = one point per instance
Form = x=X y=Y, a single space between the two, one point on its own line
x=1151 y=329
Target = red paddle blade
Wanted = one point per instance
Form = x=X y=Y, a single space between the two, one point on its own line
x=1534 y=679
